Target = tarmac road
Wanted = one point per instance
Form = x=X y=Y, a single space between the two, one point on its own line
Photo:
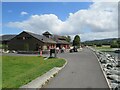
x=82 y=71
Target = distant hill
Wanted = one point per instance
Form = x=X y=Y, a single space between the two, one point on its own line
x=100 y=42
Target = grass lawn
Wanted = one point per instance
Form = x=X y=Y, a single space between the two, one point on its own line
x=104 y=48
x=0 y=46
x=0 y=72
x=19 y=70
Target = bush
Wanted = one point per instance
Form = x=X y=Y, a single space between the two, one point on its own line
x=114 y=46
x=99 y=45
x=5 y=47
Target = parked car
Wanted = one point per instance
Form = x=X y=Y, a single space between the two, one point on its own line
x=62 y=49
x=74 y=49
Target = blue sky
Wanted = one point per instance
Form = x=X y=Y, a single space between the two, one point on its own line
x=11 y=11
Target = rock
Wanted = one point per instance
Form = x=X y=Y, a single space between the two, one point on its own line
x=106 y=70
x=118 y=64
x=108 y=55
x=114 y=81
x=103 y=66
x=113 y=77
x=115 y=86
x=116 y=72
x=112 y=72
x=103 y=61
x=111 y=59
x=110 y=65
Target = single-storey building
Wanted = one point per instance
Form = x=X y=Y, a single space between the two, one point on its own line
x=4 y=39
x=61 y=42
x=27 y=41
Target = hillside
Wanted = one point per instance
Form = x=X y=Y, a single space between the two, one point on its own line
x=101 y=42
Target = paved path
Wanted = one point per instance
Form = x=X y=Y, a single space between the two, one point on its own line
x=82 y=71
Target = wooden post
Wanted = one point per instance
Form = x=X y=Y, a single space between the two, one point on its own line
x=40 y=52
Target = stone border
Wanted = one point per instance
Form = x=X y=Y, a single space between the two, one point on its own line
x=44 y=79
x=102 y=70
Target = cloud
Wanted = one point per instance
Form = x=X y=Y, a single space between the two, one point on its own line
x=23 y=13
x=99 y=35
x=98 y=21
x=39 y=23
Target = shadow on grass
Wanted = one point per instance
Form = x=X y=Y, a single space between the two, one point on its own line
x=52 y=57
x=47 y=57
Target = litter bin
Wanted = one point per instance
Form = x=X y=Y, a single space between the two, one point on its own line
x=53 y=51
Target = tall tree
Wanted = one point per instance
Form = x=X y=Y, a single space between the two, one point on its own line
x=76 y=41
x=68 y=38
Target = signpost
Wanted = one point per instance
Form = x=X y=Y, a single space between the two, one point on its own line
x=53 y=51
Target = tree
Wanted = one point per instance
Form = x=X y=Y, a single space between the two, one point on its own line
x=68 y=38
x=118 y=41
x=114 y=44
x=76 y=41
x=99 y=44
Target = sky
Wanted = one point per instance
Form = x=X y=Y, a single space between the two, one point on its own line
x=90 y=20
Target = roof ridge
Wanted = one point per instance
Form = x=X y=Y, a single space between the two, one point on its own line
x=8 y=34
x=40 y=37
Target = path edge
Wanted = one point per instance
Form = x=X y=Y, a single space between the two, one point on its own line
x=102 y=69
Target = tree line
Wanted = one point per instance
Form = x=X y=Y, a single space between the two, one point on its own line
x=75 y=42
x=113 y=43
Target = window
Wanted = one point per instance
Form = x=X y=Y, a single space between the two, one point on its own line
x=20 y=38
x=23 y=38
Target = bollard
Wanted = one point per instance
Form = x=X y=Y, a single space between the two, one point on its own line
x=40 y=52
x=53 y=51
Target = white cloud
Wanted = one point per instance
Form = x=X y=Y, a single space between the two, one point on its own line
x=23 y=13
x=99 y=21
x=98 y=35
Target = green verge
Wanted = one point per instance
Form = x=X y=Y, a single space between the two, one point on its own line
x=104 y=49
x=19 y=70
x=0 y=72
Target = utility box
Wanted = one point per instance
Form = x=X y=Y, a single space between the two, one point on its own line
x=53 y=51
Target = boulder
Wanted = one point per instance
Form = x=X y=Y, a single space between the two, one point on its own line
x=114 y=77
x=115 y=86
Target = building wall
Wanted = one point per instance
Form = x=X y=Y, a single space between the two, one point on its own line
x=24 y=42
x=49 y=46
x=66 y=46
